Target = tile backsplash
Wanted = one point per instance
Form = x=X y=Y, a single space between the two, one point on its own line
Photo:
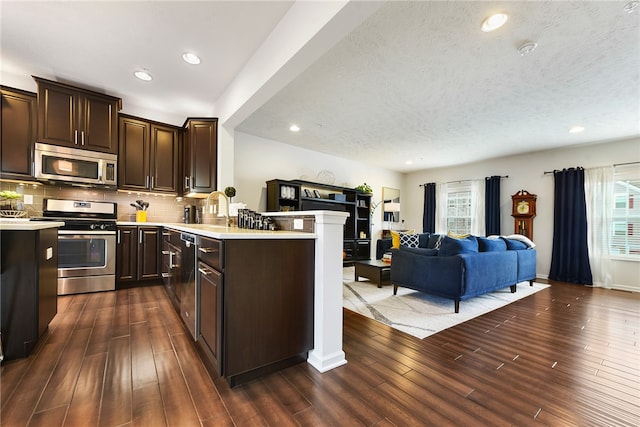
x=162 y=208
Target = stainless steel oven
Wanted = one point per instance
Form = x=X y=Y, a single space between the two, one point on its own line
x=86 y=261
x=86 y=244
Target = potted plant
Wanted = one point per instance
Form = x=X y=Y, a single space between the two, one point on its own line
x=8 y=207
x=364 y=188
x=230 y=192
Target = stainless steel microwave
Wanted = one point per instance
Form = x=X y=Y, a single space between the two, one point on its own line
x=74 y=166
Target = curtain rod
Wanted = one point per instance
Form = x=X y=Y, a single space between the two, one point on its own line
x=462 y=180
x=614 y=165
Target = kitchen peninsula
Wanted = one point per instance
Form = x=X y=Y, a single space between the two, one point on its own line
x=29 y=261
x=260 y=296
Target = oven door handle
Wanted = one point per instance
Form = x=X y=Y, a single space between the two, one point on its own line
x=86 y=232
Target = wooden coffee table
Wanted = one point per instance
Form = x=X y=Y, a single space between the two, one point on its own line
x=375 y=270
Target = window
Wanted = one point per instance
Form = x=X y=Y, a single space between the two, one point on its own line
x=625 y=229
x=459 y=212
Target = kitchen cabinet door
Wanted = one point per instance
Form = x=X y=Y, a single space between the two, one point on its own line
x=149 y=247
x=201 y=155
x=18 y=123
x=127 y=254
x=77 y=118
x=211 y=313
x=134 y=157
x=165 y=156
x=99 y=122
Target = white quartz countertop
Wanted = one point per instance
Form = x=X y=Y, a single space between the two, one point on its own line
x=23 y=224
x=222 y=232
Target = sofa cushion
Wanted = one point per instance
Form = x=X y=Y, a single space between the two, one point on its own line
x=420 y=251
x=409 y=239
x=451 y=246
x=434 y=241
x=514 y=245
x=457 y=236
x=423 y=240
x=521 y=238
x=395 y=238
x=491 y=245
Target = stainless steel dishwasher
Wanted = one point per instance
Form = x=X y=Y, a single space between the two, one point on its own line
x=189 y=304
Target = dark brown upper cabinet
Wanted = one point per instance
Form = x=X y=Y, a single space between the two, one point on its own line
x=18 y=123
x=149 y=158
x=200 y=155
x=78 y=118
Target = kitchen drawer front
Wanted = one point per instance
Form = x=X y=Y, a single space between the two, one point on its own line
x=210 y=251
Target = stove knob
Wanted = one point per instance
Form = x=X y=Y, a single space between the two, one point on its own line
x=103 y=227
x=92 y=227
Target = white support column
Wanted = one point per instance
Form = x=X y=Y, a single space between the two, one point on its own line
x=327 y=352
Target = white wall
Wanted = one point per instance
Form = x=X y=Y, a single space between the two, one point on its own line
x=258 y=160
x=527 y=172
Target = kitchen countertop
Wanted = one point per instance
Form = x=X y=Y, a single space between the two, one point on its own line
x=222 y=232
x=23 y=224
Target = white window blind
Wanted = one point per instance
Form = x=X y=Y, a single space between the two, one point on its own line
x=625 y=228
x=459 y=208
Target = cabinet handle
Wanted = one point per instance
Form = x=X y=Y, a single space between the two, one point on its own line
x=118 y=237
x=166 y=234
x=75 y=136
x=82 y=133
x=204 y=271
x=146 y=181
x=151 y=183
x=207 y=250
x=186 y=182
x=166 y=275
x=140 y=236
x=165 y=252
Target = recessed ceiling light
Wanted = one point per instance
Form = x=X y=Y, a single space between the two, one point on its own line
x=143 y=75
x=527 y=47
x=191 y=58
x=631 y=6
x=408 y=162
x=494 y=22
x=576 y=129
x=294 y=128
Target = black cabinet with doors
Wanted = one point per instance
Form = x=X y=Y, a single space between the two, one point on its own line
x=299 y=195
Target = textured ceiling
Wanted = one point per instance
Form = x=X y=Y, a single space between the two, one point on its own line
x=419 y=81
x=414 y=81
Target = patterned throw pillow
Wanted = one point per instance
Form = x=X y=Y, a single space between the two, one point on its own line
x=410 y=240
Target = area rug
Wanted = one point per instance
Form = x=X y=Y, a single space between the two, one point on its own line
x=420 y=314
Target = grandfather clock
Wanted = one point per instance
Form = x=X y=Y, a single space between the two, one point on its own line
x=524 y=210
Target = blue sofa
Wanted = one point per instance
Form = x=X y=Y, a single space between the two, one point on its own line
x=462 y=268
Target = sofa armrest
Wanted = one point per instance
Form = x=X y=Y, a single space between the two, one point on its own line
x=485 y=271
x=441 y=276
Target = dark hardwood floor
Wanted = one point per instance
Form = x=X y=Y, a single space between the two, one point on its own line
x=566 y=356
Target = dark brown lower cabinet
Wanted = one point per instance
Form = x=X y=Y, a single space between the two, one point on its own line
x=138 y=253
x=29 y=288
x=256 y=307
